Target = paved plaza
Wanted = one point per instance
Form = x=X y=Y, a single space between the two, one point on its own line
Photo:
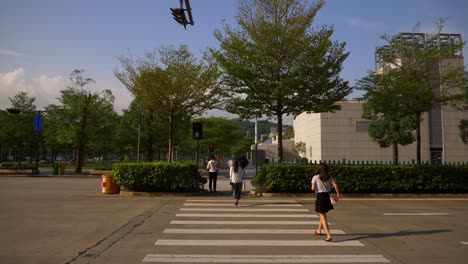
x=67 y=220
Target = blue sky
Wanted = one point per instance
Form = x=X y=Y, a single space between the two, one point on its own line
x=43 y=41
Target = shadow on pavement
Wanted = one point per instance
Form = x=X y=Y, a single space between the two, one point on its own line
x=396 y=234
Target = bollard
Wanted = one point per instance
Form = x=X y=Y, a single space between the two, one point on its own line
x=108 y=186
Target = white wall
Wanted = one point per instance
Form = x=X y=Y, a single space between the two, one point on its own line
x=333 y=136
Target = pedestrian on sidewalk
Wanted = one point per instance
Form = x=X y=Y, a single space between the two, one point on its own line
x=321 y=185
x=236 y=177
x=212 y=169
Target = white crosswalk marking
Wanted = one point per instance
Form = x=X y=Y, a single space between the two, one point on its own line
x=183 y=222
x=416 y=214
x=243 y=210
x=250 y=215
x=306 y=232
x=259 y=243
x=182 y=258
x=243 y=205
x=269 y=231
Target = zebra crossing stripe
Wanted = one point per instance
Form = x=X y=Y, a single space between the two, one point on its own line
x=182 y=258
x=260 y=243
x=308 y=232
x=243 y=210
x=243 y=200
x=243 y=205
x=250 y=215
x=416 y=214
x=187 y=222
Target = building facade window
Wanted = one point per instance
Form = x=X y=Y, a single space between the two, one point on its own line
x=362 y=126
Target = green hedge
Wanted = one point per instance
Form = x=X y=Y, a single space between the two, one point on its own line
x=366 y=179
x=156 y=176
x=15 y=166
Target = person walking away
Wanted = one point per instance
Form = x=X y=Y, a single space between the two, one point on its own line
x=235 y=177
x=321 y=185
x=212 y=169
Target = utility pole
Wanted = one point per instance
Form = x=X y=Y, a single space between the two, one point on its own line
x=256 y=148
x=139 y=128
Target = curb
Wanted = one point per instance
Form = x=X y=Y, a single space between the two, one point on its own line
x=55 y=176
x=367 y=195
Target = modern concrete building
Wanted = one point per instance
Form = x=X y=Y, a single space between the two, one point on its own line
x=344 y=134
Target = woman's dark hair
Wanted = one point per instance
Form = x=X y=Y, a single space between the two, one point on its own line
x=235 y=164
x=322 y=171
x=213 y=157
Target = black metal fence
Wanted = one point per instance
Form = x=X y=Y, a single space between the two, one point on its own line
x=364 y=162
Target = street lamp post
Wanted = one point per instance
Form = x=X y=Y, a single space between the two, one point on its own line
x=139 y=128
x=256 y=148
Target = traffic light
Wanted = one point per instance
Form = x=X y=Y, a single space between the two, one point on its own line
x=197 y=131
x=179 y=15
x=13 y=110
x=211 y=147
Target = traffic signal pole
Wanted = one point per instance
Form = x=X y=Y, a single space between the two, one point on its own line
x=196 y=154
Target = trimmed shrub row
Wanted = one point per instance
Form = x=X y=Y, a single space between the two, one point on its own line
x=156 y=176
x=366 y=179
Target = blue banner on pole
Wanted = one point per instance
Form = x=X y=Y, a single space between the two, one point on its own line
x=38 y=122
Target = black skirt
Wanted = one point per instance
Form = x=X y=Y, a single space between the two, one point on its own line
x=322 y=203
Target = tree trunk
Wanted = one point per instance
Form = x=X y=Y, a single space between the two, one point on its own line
x=82 y=135
x=280 y=137
x=418 y=138
x=171 y=131
x=149 y=150
x=79 y=158
x=395 y=153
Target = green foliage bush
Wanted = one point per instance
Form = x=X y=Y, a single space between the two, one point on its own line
x=15 y=166
x=366 y=178
x=156 y=176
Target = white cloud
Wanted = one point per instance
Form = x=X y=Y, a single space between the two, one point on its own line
x=10 y=53
x=361 y=23
x=46 y=89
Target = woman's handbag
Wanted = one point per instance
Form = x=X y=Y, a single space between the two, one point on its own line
x=333 y=199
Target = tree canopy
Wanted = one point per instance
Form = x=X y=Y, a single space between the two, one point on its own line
x=275 y=63
x=409 y=81
x=172 y=83
x=83 y=116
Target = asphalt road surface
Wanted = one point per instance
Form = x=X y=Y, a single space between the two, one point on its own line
x=68 y=220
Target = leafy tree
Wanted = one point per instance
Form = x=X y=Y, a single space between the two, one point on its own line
x=152 y=132
x=413 y=57
x=388 y=127
x=83 y=118
x=275 y=63
x=225 y=134
x=172 y=83
x=17 y=129
x=289 y=134
x=461 y=103
x=300 y=148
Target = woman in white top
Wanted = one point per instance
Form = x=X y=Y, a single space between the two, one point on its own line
x=321 y=185
x=212 y=169
x=235 y=176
